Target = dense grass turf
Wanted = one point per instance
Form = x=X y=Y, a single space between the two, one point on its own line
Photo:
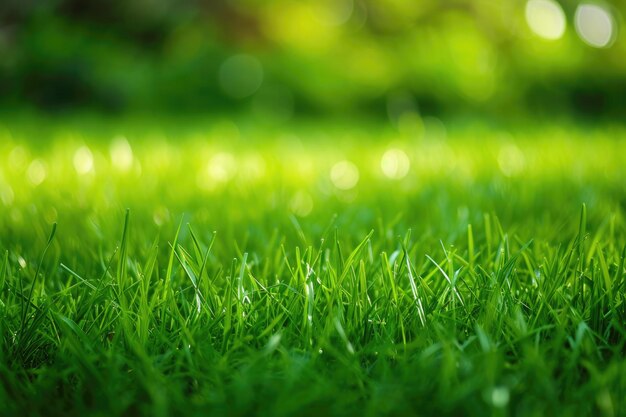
x=254 y=275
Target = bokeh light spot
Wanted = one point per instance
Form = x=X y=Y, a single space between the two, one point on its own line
x=344 y=175
x=36 y=172
x=83 y=160
x=222 y=167
x=121 y=154
x=240 y=76
x=595 y=25
x=334 y=12
x=500 y=397
x=545 y=18
x=395 y=164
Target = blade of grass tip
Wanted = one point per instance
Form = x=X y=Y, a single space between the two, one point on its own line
x=78 y=341
x=240 y=290
x=286 y=260
x=3 y=274
x=3 y=271
x=363 y=298
x=619 y=274
x=30 y=294
x=204 y=263
x=407 y=238
x=228 y=311
x=621 y=279
x=582 y=230
x=608 y=284
x=488 y=236
x=170 y=263
x=351 y=258
x=194 y=281
x=148 y=268
x=299 y=231
x=145 y=300
x=76 y=275
x=201 y=260
x=340 y=262
x=101 y=282
x=242 y=297
x=470 y=247
x=318 y=255
x=580 y=240
x=310 y=303
x=271 y=326
x=343 y=336
x=386 y=267
x=196 y=244
x=121 y=260
x=329 y=228
x=298 y=266
x=416 y=298
x=445 y=275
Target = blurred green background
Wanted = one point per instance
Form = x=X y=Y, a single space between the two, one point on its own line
x=278 y=59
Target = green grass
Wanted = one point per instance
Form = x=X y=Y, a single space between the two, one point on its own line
x=488 y=281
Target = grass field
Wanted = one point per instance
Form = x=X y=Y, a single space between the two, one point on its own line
x=214 y=267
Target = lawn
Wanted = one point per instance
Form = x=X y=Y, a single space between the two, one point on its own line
x=221 y=267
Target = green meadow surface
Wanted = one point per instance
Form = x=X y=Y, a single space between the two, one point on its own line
x=225 y=267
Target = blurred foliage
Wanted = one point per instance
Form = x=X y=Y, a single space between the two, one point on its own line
x=308 y=57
